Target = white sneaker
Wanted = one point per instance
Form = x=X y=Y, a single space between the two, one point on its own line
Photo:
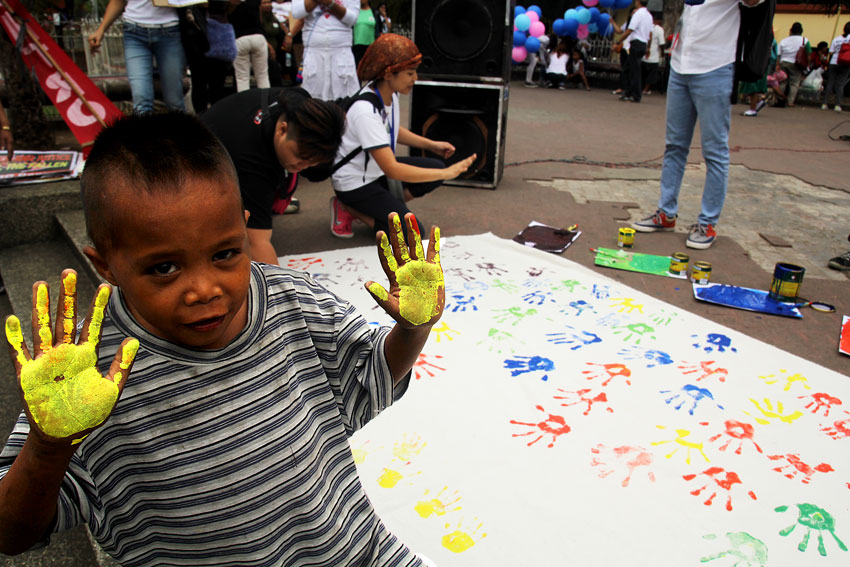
x=837 y=108
x=824 y=107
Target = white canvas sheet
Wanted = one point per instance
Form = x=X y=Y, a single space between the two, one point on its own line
x=558 y=417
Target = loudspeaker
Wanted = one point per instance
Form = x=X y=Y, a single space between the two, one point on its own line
x=472 y=117
x=464 y=40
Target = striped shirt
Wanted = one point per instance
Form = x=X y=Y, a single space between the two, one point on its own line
x=238 y=456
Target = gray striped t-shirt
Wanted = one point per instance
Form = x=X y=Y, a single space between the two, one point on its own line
x=238 y=456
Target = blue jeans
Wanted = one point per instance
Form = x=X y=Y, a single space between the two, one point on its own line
x=706 y=96
x=141 y=45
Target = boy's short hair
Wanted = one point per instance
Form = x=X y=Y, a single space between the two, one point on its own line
x=316 y=126
x=151 y=153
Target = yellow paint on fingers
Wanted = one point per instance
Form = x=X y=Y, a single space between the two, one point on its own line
x=100 y=303
x=387 y=250
x=378 y=291
x=69 y=286
x=42 y=311
x=402 y=247
x=436 y=244
x=15 y=337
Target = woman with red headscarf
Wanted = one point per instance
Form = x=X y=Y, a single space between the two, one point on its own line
x=362 y=188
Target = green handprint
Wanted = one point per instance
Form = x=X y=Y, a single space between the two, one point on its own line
x=417 y=281
x=64 y=393
x=745 y=550
x=813 y=518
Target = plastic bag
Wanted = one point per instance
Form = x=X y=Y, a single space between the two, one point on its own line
x=813 y=80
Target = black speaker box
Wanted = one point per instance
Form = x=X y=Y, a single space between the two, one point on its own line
x=464 y=40
x=472 y=117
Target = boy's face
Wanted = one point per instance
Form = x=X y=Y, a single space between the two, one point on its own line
x=181 y=261
x=287 y=150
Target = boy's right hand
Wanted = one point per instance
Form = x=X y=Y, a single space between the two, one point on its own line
x=65 y=397
x=456 y=169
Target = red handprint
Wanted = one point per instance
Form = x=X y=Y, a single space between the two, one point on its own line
x=725 y=481
x=794 y=466
x=736 y=430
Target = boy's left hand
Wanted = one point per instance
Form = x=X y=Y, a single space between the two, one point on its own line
x=417 y=291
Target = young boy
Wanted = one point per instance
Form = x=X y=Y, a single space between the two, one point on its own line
x=228 y=445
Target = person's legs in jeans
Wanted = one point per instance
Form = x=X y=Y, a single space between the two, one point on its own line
x=139 y=60
x=681 y=119
x=171 y=64
x=259 y=54
x=711 y=94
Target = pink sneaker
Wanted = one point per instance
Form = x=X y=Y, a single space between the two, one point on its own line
x=340 y=220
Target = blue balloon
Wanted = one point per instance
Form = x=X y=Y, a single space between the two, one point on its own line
x=535 y=9
x=570 y=26
x=559 y=27
x=606 y=3
x=607 y=30
x=594 y=15
x=519 y=38
x=522 y=22
x=622 y=4
x=519 y=10
x=603 y=21
x=583 y=17
x=571 y=13
x=532 y=44
x=592 y=28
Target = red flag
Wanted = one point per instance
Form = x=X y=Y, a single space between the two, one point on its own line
x=82 y=105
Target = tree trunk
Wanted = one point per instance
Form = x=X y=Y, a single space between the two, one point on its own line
x=23 y=96
x=672 y=13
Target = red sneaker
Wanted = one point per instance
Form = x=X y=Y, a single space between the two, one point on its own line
x=655 y=222
x=340 y=220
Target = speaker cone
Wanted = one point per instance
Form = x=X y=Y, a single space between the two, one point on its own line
x=465 y=131
x=461 y=29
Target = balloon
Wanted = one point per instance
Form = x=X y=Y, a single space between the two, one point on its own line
x=594 y=15
x=519 y=10
x=592 y=28
x=559 y=27
x=518 y=54
x=532 y=45
x=582 y=31
x=603 y=21
x=606 y=3
x=590 y=3
x=570 y=26
x=519 y=38
x=536 y=10
x=532 y=16
x=571 y=13
x=536 y=29
x=622 y=4
x=583 y=17
x=607 y=30
x=522 y=22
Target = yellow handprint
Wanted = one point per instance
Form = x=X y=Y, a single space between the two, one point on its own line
x=64 y=394
x=417 y=290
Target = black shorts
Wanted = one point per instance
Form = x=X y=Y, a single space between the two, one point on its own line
x=375 y=200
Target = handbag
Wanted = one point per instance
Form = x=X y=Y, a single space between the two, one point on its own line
x=844 y=53
x=222 y=41
x=193 y=30
x=755 y=40
x=802 y=59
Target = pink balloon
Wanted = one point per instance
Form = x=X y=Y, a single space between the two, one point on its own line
x=518 y=54
x=590 y=3
x=533 y=16
x=536 y=29
x=582 y=31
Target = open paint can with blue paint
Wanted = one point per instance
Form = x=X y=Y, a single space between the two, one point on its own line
x=786 y=282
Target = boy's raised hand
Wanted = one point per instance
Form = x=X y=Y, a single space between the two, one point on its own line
x=417 y=291
x=65 y=396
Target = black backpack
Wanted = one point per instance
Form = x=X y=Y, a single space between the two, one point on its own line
x=755 y=36
x=323 y=171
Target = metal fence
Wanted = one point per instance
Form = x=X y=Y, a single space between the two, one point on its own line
x=73 y=38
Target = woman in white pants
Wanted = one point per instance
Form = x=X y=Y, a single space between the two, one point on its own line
x=252 y=51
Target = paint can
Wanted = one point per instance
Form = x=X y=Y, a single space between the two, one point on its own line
x=786 y=282
x=679 y=263
x=701 y=273
x=626 y=237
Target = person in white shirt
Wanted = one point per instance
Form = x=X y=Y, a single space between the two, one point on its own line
x=637 y=33
x=700 y=88
x=838 y=74
x=556 y=71
x=788 y=49
x=150 y=32
x=388 y=68
x=652 y=59
x=329 y=71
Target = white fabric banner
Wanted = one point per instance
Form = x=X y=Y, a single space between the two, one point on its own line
x=558 y=417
